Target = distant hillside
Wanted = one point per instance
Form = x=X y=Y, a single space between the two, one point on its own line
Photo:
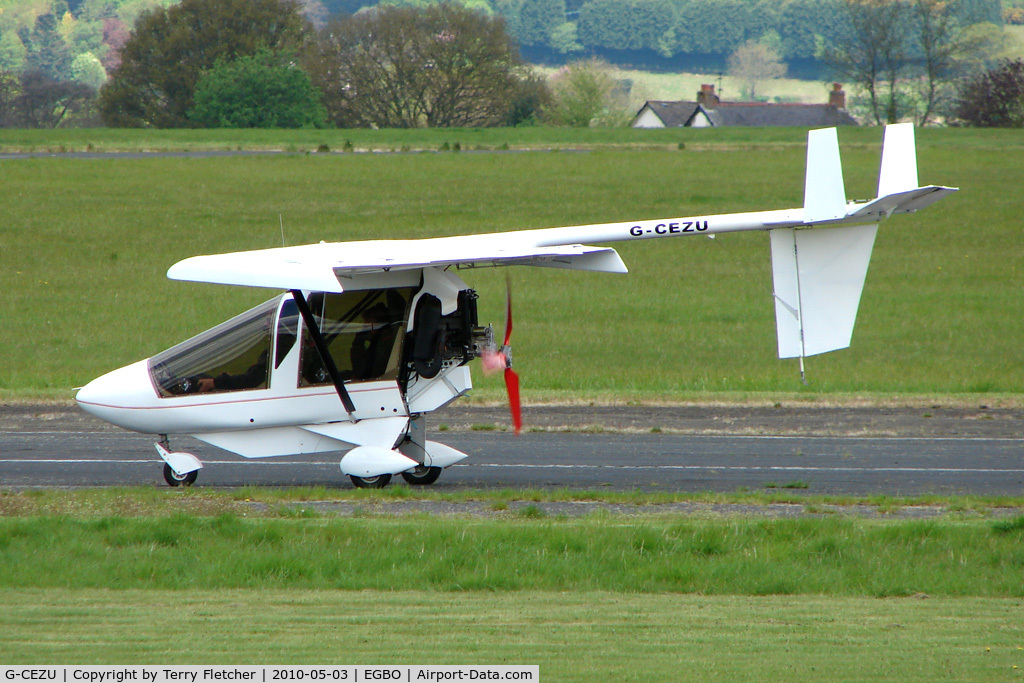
x=80 y=39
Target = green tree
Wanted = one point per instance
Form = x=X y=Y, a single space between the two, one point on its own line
x=874 y=52
x=712 y=26
x=538 y=19
x=87 y=70
x=806 y=24
x=906 y=55
x=531 y=97
x=510 y=11
x=754 y=62
x=584 y=93
x=264 y=90
x=12 y=52
x=994 y=99
x=46 y=50
x=44 y=102
x=563 y=39
x=87 y=36
x=155 y=82
x=403 y=67
x=8 y=92
x=986 y=47
x=941 y=46
x=603 y=23
x=969 y=12
x=629 y=25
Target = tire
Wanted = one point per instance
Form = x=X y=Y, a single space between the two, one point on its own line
x=174 y=479
x=378 y=482
x=422 y=475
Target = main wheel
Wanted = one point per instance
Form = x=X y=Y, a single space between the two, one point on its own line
x=174 y=479
x=378 y=482
x=422 y=475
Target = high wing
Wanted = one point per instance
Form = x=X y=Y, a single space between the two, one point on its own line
x=324 y=267
x=816 y=301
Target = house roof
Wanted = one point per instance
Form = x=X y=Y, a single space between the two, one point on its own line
x=677 y=114
x=763 y=114
x=672 y=114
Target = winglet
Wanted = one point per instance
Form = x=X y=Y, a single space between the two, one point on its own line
x=824 y=190
x=898 y=172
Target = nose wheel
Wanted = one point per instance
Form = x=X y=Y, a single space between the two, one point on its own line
x=174 y=479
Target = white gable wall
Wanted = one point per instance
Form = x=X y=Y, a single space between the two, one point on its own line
x=648 y=119
x=700 y=120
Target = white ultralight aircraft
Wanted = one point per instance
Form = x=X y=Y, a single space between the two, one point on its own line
x=371 y=336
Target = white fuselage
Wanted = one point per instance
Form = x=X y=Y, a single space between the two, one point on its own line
x=283 y=415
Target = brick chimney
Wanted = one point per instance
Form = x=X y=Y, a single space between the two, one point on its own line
x=837 y=98
x=707 y=96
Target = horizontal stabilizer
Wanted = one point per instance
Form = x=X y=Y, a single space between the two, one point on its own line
x=907 y=201
x=818 y=276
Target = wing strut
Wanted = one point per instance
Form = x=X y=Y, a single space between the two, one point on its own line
x=325 y=353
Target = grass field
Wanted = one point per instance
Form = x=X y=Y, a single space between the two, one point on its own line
x=584 y=636
x=836 y=556
x=155 y=576
x=85 y=243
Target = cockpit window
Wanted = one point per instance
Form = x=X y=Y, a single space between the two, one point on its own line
x=363 y=330
x=233 y=356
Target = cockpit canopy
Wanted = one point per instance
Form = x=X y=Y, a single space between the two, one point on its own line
x=364 y=331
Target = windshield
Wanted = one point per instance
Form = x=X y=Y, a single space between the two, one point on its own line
x=363 y=331
x=232 y=356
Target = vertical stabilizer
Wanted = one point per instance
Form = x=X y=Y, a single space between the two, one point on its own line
x=898 y=172
x=824 y=191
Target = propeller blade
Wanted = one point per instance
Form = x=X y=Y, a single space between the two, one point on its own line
x=512 y=384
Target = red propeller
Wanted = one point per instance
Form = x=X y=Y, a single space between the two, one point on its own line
x=494 y=360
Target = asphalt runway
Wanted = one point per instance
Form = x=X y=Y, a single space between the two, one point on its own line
x=845 y=464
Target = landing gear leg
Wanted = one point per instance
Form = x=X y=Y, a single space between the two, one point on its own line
x=413 y=447
x=180 y=469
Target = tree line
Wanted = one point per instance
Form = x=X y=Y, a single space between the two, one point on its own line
x=80 y=40
x=692 y=27
x=274 y=63
x=230 y=62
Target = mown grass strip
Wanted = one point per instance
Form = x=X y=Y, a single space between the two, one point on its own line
x=270 y=501
x=741 y=556
x=584 y=636
x=495 y=139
